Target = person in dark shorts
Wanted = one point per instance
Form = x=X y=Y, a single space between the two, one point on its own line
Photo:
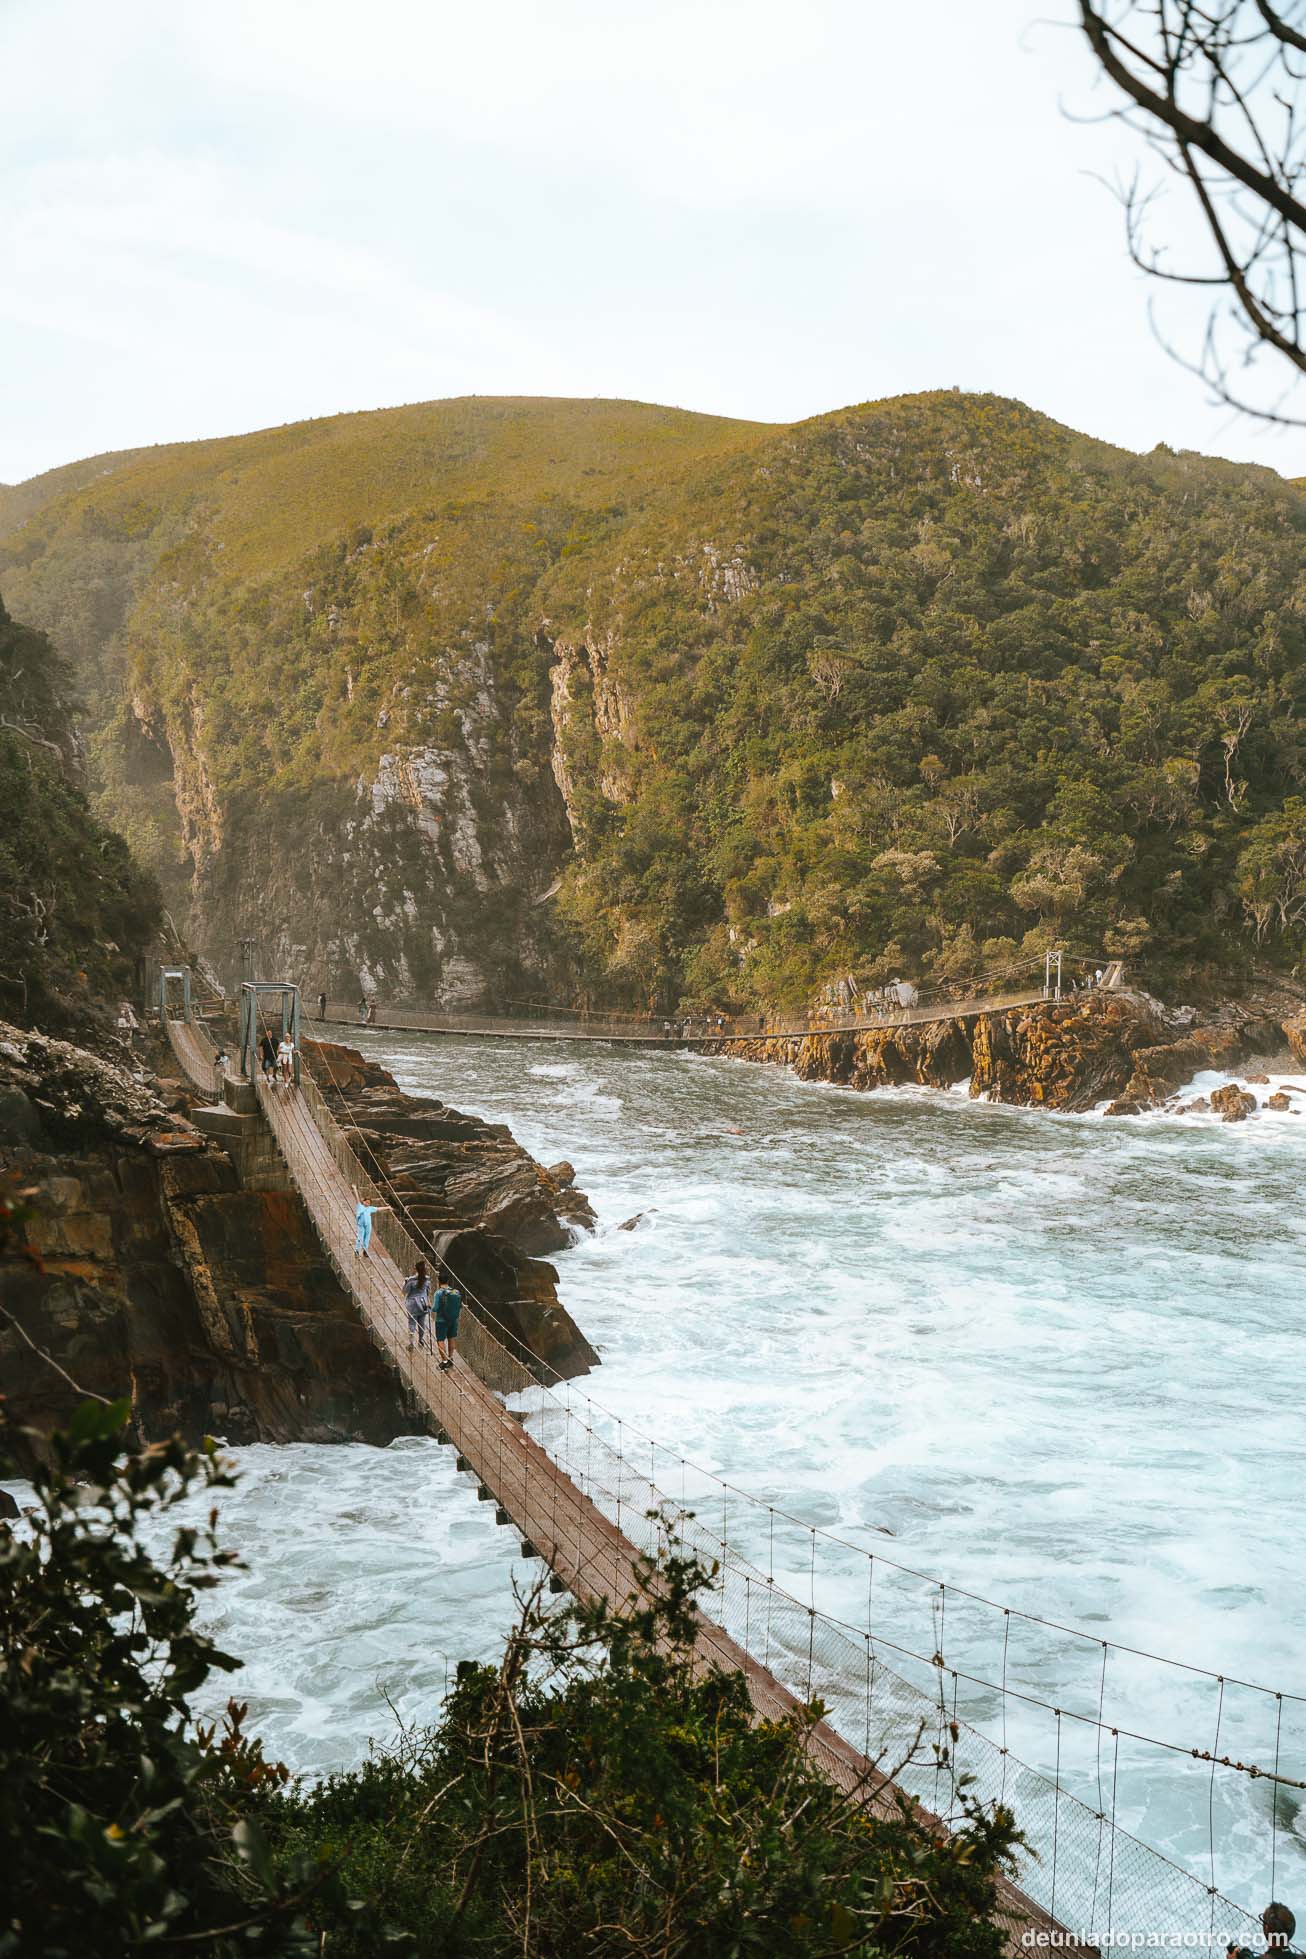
x=267 y=1054
x=321 y=1006
x=1278 y=1925
x=448 y=1304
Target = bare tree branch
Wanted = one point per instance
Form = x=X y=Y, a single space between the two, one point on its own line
x=1213 y=90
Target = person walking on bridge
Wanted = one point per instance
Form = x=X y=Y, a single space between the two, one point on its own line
x=363 y=1215
x=448 y=1306
x=286 y=1060
x=267 y=1055
x=417 y=1302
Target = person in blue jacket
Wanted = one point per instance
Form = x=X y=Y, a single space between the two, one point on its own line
x=448 y=1304
x=363 y=1215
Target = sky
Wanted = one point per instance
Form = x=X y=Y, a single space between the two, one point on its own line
x=215 y=218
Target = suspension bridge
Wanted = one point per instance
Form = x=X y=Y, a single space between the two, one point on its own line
x=1028 y=983
x=914 y=1673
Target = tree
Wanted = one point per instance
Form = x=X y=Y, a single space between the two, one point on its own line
x=1272 y=872
x=600 y=1792
x=75 y=909
x=1212 y=85
x=121 y=1826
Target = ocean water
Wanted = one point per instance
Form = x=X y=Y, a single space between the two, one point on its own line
x=1054 y=1361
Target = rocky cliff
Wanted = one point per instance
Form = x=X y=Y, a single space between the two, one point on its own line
x=145 y=1271
x=142 y=1268
x=1123 y=1049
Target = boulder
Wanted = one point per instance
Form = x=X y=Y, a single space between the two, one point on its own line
x=1232 y=1103
x=1279 y=1101
x=1199 y=1106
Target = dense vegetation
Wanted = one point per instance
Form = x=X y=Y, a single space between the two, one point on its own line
x=75 y=910
x=589 y=1794
x=987 y=687
x=918 y=686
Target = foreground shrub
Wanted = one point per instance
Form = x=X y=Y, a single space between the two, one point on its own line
x=597 y=1794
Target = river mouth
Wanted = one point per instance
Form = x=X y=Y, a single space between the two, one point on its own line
x=1054 y=1361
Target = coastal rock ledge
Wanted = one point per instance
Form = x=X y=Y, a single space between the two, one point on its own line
x=134 y=1262
x=1120 y=1048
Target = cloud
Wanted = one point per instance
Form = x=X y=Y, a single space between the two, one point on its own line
x=244 y=214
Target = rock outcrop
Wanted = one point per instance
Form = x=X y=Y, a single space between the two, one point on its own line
x=1058 y=1055
x=144 y=1271
x=469 y=1190
x=1119 y=1048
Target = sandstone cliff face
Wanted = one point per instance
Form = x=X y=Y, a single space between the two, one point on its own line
x=1069 y=1054
x=150 y=1274
x=416 y=879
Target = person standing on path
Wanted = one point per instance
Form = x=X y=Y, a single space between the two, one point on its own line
x=448 y=1305
x=321 y=1006
x=363 y=1215
x=417 y=1302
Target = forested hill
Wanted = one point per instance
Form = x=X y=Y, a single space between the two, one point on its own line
x=515 y=696
x=75 y=911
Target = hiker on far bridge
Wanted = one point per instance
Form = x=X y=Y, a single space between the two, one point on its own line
x=363 y=1215
x=448 y=1305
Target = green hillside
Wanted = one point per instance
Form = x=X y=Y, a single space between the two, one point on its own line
x=906 y=686
x=75 y=912
x=20 y=501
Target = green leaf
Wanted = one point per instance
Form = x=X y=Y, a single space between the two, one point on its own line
x=98 y=1421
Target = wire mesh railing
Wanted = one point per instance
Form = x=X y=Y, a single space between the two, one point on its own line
x=1081 y=1863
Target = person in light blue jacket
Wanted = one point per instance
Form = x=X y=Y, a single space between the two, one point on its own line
x=363 y=1215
